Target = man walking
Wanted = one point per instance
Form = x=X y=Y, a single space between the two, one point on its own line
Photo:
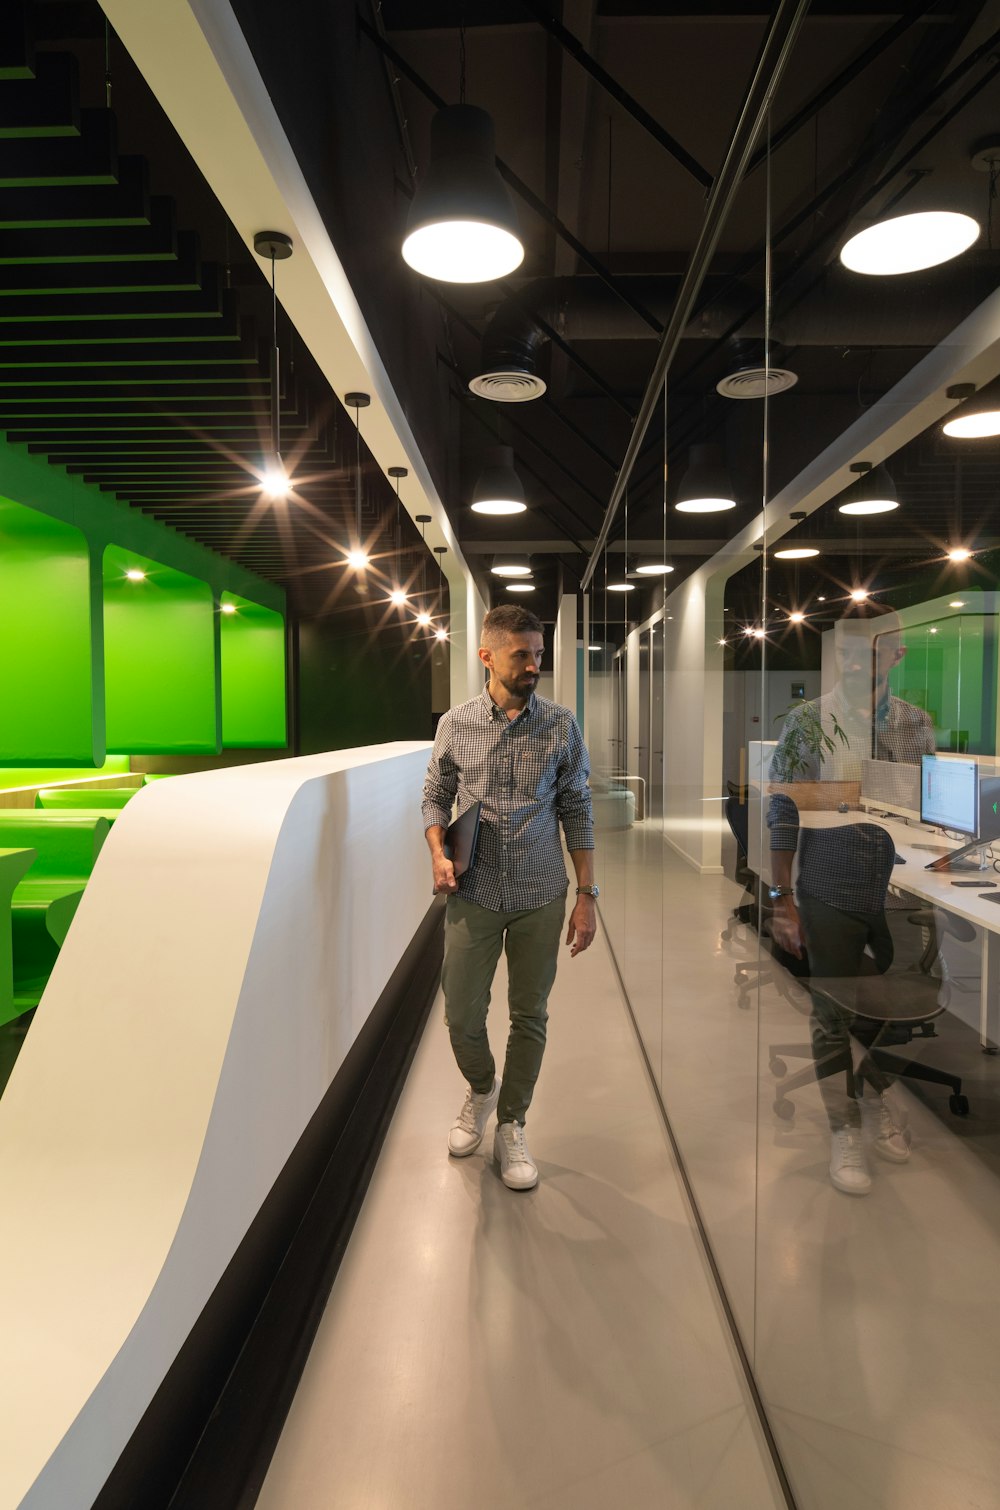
x=524 y=759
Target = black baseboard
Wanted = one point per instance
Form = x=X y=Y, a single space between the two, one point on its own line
x=210 y=1431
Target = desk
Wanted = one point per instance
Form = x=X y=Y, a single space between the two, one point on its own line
x=929 y=885
x=14 y=864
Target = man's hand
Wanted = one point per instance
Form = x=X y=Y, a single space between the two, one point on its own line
x=444 y=875
x=582 y=925
x=786 y=929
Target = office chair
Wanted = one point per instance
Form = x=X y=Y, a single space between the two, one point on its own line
x=886 y=1007
x=745 y=911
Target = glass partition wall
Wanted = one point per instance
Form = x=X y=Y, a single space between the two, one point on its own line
x=807 y=702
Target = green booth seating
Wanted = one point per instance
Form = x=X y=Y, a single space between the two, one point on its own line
x=75 y=797
x=43 y=905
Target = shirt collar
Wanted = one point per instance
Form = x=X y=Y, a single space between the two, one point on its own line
x=493 y=711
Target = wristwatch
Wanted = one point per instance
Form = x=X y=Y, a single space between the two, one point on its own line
x=774 y=892
x=588 y=891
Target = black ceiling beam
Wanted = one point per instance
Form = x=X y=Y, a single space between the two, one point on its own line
x=213 y=327
x=775 y=52
x=17 y=45
x=518 y=185
x=846 y=76
x=90 y=158
x=182 y=271
x=144 y=371
x=123 y=202
x=155 y=242
x=205 y=302
x=45 y=104
x=571 y=44
x=901 y=126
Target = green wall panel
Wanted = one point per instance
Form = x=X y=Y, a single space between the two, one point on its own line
x=161 y=658
x=51 y=685
x=253 y=675
x=14 y=776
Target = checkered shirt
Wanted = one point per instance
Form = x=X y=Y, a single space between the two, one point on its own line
x=530 y=773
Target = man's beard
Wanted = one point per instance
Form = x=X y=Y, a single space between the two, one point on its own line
x=519 y=685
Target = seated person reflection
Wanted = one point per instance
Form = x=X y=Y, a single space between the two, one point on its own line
x=837 y=909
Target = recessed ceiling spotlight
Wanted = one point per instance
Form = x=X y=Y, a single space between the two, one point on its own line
x=228 y=607
x=796 y=553
x=594 y=647
x=441 y=634
x=722 y=642
x=397 y=596
x=908 y=243
x=275 y=482
x=653 y=569
x=358 y=559
x=796 y=616
x=957 y=603
x=423 y=619
x=520 y=586
x=820 y=598
x=932 y=630
x=758 y=634
x=135 y=574
x=859 y=594
x=621 y=587
x=959 y=553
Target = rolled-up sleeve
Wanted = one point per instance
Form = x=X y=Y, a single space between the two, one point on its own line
x=573 y=803
x=783 y=821
x=441 y=781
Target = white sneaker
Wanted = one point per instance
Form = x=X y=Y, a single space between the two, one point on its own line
x=470 y=1124
x=517 y=1168
x=889 y=1137
x=848 y=1165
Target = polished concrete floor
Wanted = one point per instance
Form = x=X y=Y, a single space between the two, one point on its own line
x=562 y=1349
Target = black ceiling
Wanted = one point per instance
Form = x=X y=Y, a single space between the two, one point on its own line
x=136 y=326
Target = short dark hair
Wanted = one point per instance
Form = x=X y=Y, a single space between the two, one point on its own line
x=508 y=619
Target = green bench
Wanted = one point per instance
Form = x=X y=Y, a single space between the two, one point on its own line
x=62 y=798
x=43 y=904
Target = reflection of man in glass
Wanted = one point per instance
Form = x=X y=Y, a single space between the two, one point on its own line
x=837 y=909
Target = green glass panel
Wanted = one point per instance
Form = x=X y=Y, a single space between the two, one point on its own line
x=253 y=675
x=160 y=658
x=46 y=649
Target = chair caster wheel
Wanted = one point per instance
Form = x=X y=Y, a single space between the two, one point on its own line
x=778 y=1067
x=785 y=1109
x=959 y=1105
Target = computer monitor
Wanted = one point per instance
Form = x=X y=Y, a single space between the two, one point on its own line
x=949 y=794
x=989 y=808
x=891 y=786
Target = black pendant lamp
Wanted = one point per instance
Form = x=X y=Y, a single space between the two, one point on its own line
x=357 y=556
x=462 y=226
x=706 y=487
x=498 y=488
x=873 y=493
x=277 y=247
x=398 y=594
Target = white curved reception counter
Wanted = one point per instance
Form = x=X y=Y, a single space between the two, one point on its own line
x=239 y=926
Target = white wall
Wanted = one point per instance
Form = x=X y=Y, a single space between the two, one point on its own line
x=238 y=928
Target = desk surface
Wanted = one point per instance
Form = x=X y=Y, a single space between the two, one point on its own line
x=912 y=876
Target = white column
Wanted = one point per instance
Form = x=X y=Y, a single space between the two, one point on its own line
x=564 y=654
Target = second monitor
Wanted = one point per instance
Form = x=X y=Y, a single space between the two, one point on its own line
x=949 y=794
